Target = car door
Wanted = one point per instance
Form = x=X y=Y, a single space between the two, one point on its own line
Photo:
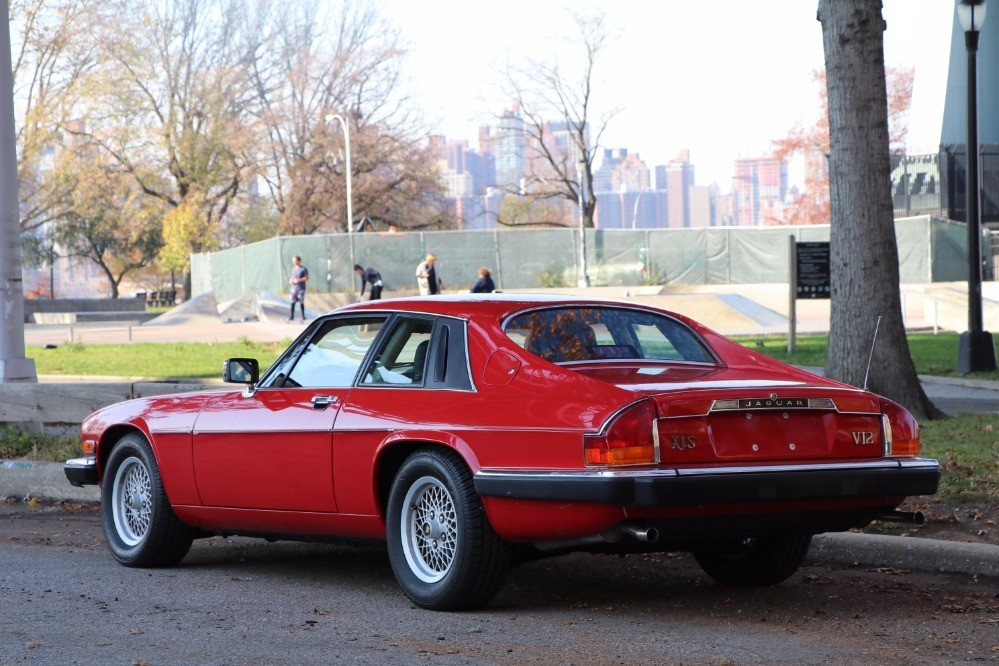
x=272 y=448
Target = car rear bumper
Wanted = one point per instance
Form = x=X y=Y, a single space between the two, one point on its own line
x=81 y=471
x=716 y=485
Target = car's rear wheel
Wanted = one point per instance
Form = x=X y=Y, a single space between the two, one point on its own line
x=443 y=550
x=140 y=526
x=754 y=561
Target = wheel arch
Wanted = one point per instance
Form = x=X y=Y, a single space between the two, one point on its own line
x=111 y=436
x=394 y=451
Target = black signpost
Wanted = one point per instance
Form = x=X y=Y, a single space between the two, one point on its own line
x=809 y=268
x=812 y=268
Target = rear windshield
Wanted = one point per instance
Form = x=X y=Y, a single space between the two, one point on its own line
x=563 y=335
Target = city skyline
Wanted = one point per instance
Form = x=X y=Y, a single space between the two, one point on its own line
x=751 y=62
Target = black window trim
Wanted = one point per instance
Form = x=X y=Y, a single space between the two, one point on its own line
x=390 y=325
x=392 y=315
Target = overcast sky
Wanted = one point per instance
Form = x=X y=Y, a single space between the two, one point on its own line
x=722 y=78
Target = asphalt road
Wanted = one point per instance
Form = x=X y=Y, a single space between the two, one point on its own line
x=236 y=601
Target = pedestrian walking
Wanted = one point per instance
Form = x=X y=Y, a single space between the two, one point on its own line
x=299 y=276
x=484 y=285
x=370 y=276
x=427 y=277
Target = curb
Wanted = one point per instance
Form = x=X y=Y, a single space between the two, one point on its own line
x=914 y=553
x=986 y=384
x=46 y=480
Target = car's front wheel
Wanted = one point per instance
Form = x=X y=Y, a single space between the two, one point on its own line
x=140 y=526
x=754 y=561
x=443 y=550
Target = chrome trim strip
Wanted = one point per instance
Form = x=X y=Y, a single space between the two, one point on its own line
x=915 y=463
x=468 y=360
x=886 y=435
x=733 y=409
x=655 y=440
x=739 y=408
x=82 y=462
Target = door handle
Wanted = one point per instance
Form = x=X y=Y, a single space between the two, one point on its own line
x=323 y=401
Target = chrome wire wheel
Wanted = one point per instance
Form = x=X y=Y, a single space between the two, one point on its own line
x=132 y=501
x=429 y=528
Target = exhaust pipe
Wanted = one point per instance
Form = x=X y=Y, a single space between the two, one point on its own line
x=913 y=517
x=649 y=535
x=613 y=535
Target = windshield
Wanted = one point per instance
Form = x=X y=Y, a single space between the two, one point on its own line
x=563 y=335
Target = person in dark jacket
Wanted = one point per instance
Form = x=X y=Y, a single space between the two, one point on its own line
x=484 y=285
x=299 y=276
x=370 y=275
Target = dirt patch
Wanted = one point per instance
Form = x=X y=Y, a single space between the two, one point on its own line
x=969 y=524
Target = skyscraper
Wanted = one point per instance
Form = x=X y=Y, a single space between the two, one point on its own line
x=758 y=190
x=509 y=146
x=678 y=178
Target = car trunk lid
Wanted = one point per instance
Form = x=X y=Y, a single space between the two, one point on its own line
x=719 y=415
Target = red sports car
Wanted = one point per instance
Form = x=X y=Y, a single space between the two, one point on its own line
x=473 y=432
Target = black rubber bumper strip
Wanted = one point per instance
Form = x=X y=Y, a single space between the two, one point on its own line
x=713 y=486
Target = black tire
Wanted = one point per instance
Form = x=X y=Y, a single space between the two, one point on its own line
x=453 y=560
x=754 y=561
x=140 y=526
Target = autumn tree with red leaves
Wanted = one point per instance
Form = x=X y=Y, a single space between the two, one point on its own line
x=812 y=143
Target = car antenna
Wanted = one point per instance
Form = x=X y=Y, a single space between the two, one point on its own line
x=870 y=357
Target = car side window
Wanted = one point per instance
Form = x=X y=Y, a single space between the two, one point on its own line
x=402 y=359
x=335 y=354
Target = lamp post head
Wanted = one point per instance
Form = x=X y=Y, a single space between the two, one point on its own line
x=971 y=13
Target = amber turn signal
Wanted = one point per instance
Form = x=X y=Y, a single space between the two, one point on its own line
x=901 y=432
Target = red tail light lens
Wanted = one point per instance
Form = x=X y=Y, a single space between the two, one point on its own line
x=630 y=439
x=901 y=430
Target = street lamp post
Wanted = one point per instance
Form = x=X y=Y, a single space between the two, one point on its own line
x=634 y=213
x=584 y=279
x=976 y=350
x=14 y=365
x=350 y=205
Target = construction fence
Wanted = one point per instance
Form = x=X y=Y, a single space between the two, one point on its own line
x=930 y=250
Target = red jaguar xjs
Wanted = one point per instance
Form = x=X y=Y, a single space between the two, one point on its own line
x=474 y=432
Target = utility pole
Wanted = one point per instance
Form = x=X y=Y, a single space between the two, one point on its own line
x=14 y=366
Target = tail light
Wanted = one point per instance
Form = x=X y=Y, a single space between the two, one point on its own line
x=900 y=429
x=629 y=439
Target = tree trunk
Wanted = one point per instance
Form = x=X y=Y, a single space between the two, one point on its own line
x=864 y=253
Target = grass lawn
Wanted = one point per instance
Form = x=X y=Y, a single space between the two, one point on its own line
x=932 y=354
x=967 y=447
x=195 y=360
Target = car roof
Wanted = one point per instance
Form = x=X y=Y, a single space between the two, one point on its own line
x=497 y=305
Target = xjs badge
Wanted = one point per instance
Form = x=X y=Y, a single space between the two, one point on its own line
x=681 y=442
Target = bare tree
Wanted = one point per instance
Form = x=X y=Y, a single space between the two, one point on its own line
x=169 y=103
x=343 y=58
x=108 y=220
x=865 y=275
x=562 y=138
x=52 y=53
x=812 y=141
